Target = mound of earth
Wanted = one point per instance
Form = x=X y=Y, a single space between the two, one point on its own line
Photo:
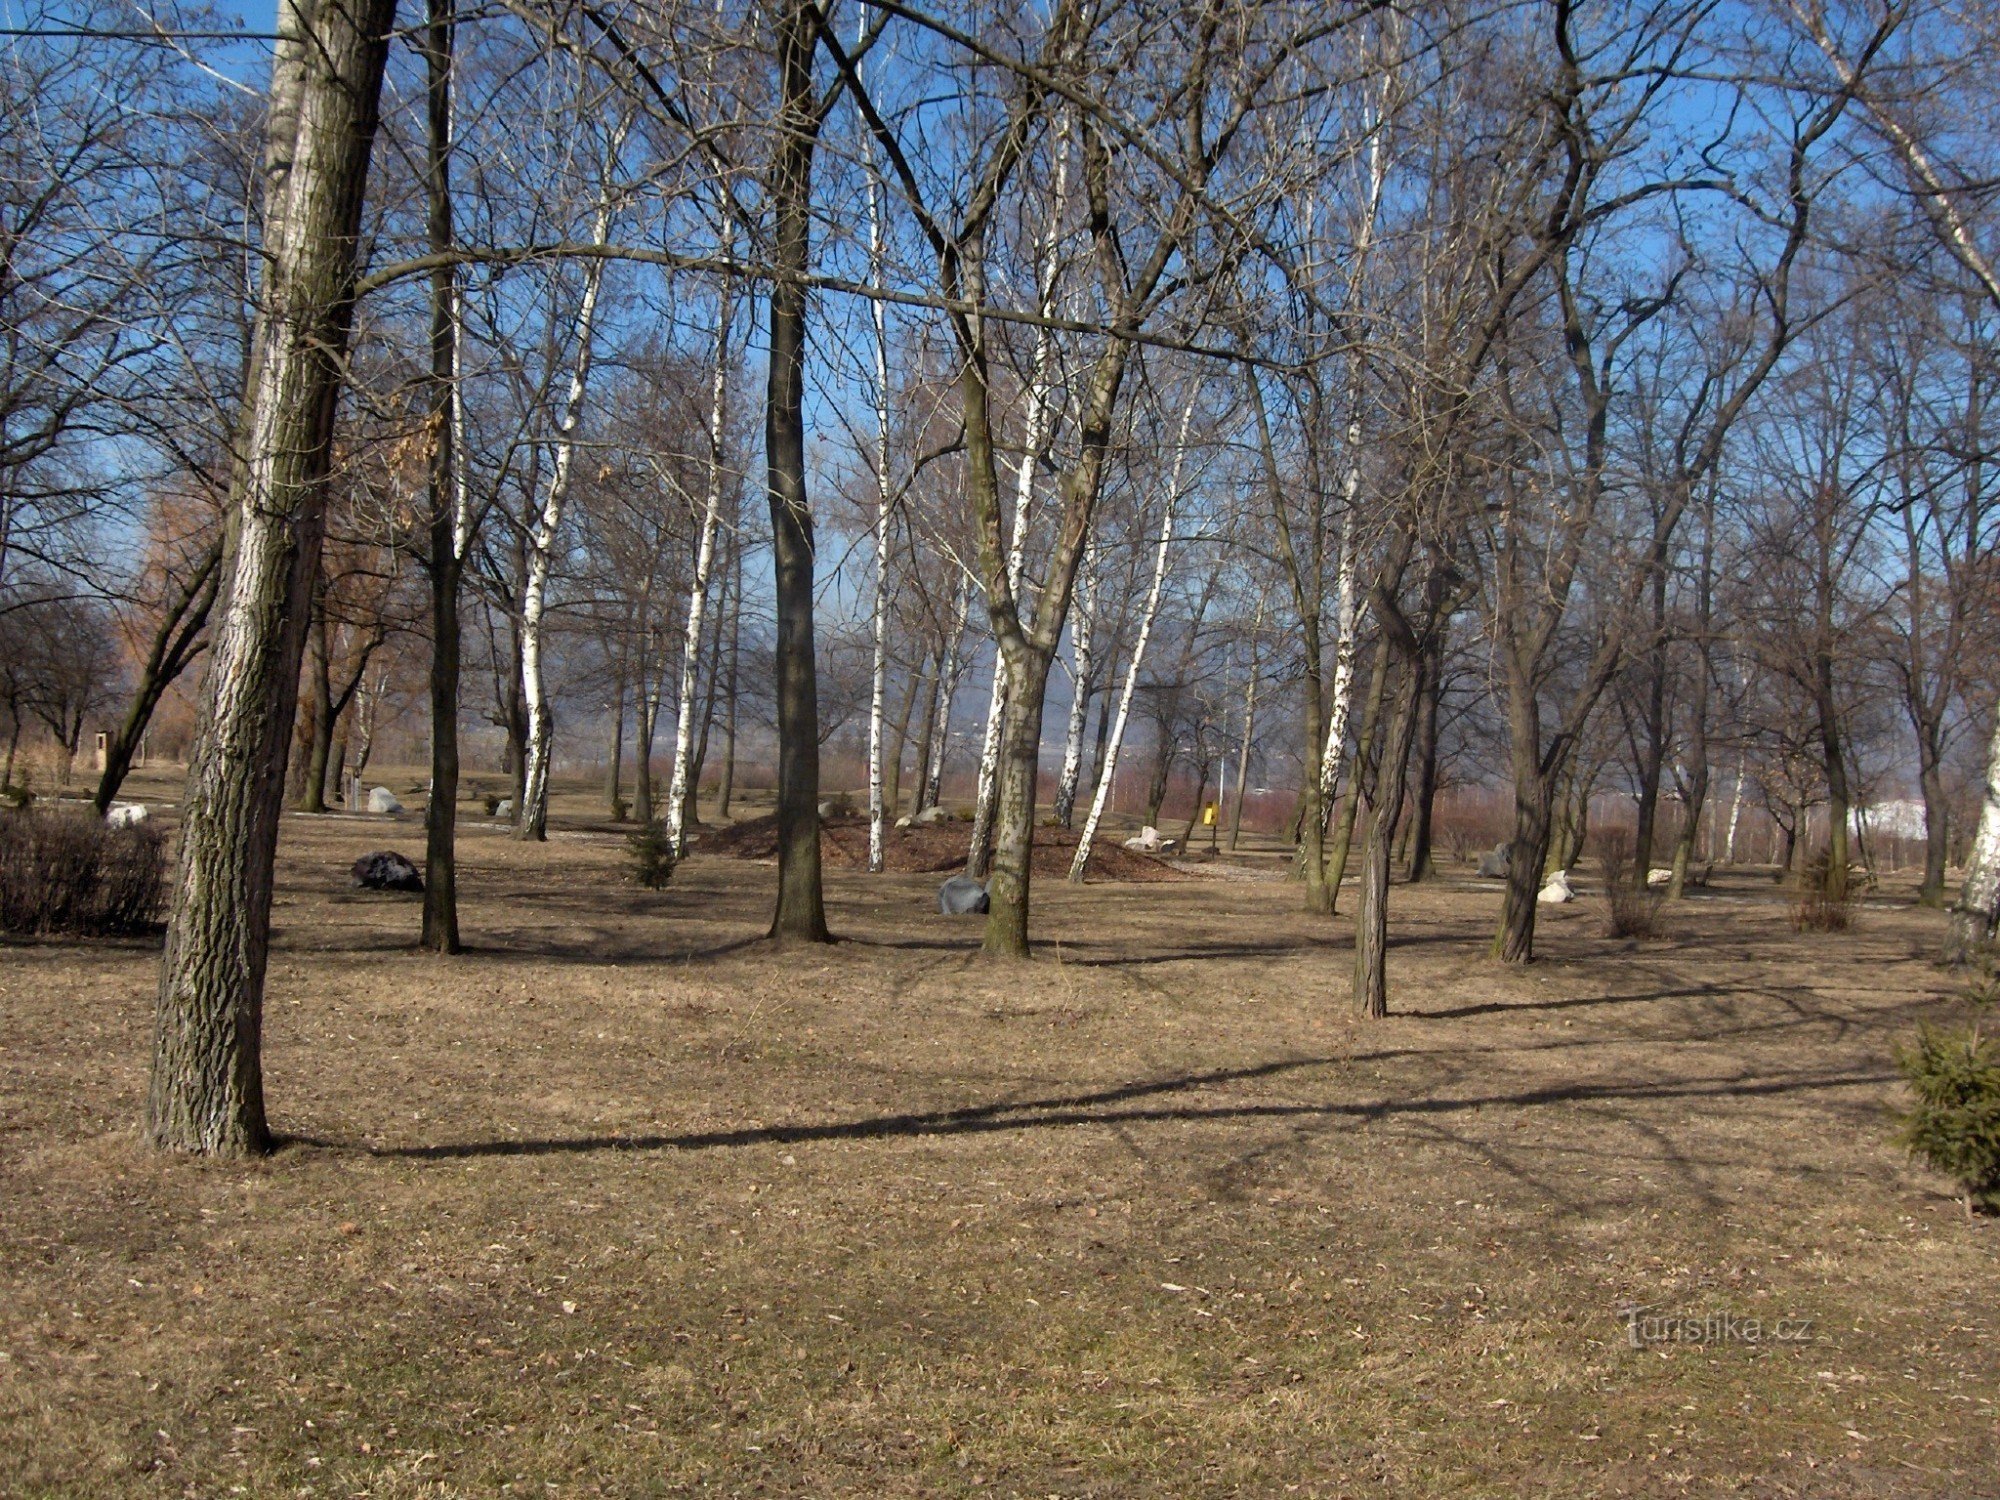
x=933 y=849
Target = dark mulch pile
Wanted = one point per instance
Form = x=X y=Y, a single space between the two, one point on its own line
x=934 y=849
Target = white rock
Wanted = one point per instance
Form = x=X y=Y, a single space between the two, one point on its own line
x=931 y=815
x=1557 y=891
x=903 y=822
x=382 y=800
x=125 y=814
x=504 y=808
x=1655 y=879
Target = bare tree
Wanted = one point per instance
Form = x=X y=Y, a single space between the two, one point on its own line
x=207 y=1092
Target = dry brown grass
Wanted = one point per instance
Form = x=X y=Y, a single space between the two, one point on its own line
x=624 y=1203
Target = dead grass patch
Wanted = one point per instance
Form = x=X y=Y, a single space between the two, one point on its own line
x=626 y=1203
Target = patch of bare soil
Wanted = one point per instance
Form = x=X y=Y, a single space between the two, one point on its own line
x=624 y=1202
x=934 y=848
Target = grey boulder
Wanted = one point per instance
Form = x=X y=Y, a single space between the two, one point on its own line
x=1494 y=862
x=382 y=800
x=962 y=896
x=386 y=870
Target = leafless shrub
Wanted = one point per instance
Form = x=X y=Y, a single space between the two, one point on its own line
x=1813 y=910
x=63 y=872
x=1629 y=911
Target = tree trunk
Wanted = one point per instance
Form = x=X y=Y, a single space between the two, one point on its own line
x=1422 y=864
x=1364 y=757
x=727 y=789
x=1082 y=675
x=207 y=1092
x=800 y=915
x=532 y=812
x=645 y=725
x=1346 y=623
x=931 y=791
x=691 y=802
x=319 y=671
x=680 y=793
x=614 y=761
x=1695 y=793
x=1977 y=914
x=175 y=644
x=1696 y=783
x=1653 y=742
x=1834 y=754
x=1040 y=384
x=1303 y=574
x=1202 y=766
x=1101 y=794
x=1385 y=808
x=881 y=794
x=1937 y=831
x=899 y=742
x=1243 y=755
x=1014 y=821
x=1528 y=851
x=448 y=496
x=1163 y=769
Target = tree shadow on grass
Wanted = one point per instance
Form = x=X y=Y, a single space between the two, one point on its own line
x=1103 y=1108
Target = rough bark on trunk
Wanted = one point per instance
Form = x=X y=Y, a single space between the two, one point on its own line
x=1424 y=804
x=1006 y=932
x=1528 y=851
x=206 y=1092
x=1937 y=831
x=800 y=914
x=319 y=673
x=1385 y=809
